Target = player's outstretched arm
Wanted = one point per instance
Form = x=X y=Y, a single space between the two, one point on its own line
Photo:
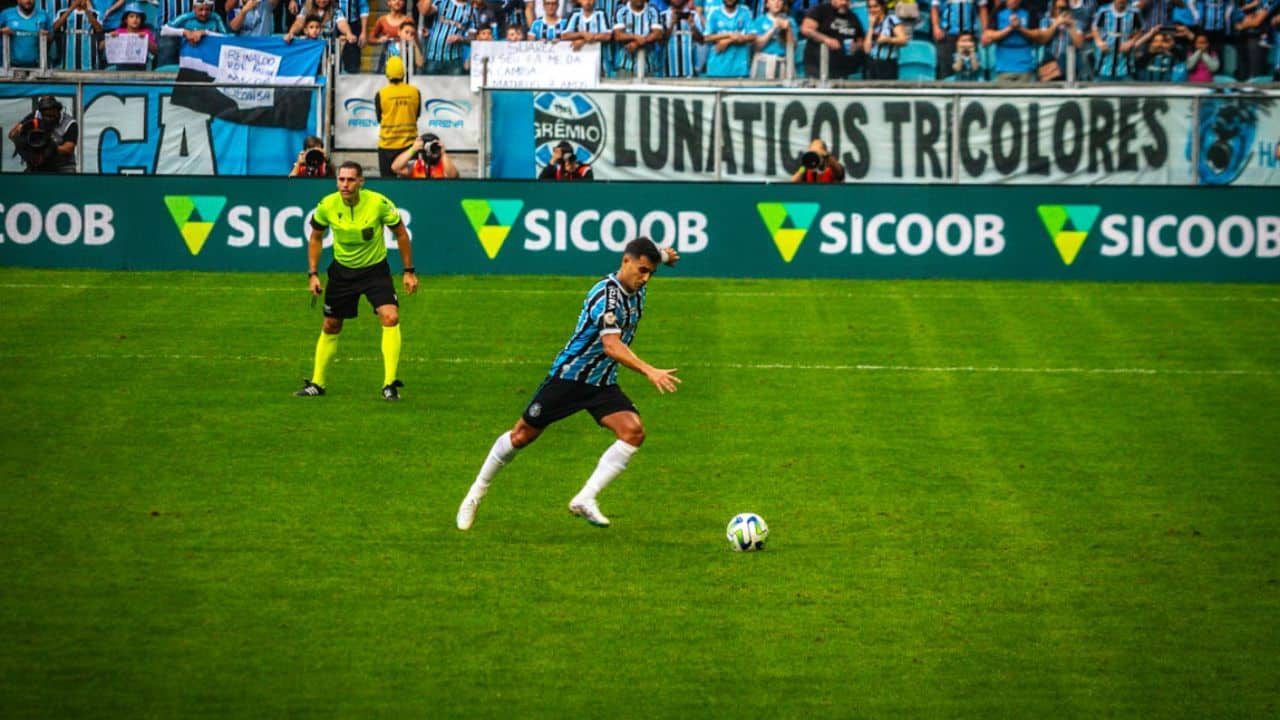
x=665 y=380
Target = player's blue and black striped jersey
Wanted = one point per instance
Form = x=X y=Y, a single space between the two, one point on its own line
x=609 y=309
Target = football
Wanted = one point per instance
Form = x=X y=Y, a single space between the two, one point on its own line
x=747 y=532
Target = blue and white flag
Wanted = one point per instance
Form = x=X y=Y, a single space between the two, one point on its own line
x=246 y=62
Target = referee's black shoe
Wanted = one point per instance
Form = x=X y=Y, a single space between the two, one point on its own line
x=390 y=393
x=310 y=389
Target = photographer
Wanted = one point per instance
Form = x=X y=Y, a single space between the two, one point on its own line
x=426 y=158
x=564 y=165
x=312 y=162
x=818 y=165
x=46 y=139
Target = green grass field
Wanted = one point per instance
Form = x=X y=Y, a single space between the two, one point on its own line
x=986 y=500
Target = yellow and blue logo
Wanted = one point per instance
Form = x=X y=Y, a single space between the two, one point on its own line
x=787 y=224
x=195 y=216
x=492 y=220
x=1068 y=227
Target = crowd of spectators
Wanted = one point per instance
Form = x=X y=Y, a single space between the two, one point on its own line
x=968 y=40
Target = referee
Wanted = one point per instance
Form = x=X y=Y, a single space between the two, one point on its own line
x=356 y=217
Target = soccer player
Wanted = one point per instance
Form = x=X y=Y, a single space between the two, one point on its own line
x=584 y=376
x=356 y=217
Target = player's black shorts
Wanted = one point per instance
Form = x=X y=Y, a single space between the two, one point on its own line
x=346 y=285
x=558 y=399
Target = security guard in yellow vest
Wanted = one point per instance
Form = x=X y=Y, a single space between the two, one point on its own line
x=398 y=106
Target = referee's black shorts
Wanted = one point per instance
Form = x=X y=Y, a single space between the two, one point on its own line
x=557 y=399
x=346 y=285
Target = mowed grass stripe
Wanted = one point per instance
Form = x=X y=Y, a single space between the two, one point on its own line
x=754 y=367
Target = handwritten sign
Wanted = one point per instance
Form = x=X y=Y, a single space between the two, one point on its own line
x=126 y=49
x=534 y=65
x=250 y=67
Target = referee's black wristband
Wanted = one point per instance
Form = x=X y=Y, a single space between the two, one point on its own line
x=313 y=273
x=410 y=270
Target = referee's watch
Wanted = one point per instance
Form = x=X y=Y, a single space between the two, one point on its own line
x=409 y=270
x=312 y=274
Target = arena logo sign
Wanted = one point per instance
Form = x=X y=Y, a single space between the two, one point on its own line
x=912 y=234
x=570 y=117
x=363 y=114
x=62 y=223
x=196 y=217
x=446 y=114
x=588 y=230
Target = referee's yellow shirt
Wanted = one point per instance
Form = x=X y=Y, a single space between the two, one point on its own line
x=357 y=231
x=397 y=106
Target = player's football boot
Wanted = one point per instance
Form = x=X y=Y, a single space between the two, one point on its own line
x=590 y=510
x=390 y=393
x=467 y=511
x=310 y=389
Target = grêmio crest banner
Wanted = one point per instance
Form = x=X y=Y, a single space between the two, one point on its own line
x=994 y=137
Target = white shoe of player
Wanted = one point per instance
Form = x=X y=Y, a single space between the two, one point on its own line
x=467 y=511
x=590 y=510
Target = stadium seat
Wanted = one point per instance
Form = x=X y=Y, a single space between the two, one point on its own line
x=918 y=60
x=1221 y=79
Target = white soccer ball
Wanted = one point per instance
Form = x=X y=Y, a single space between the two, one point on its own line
x=747 y=532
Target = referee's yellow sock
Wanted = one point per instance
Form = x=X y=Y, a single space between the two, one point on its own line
x=326 y=348
x=390 y=353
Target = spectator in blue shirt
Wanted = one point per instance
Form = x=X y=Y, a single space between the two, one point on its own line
x=548 y=26
x=448 y=21
x=1115 y=32
x=77 y=25
x=1251 y=21
x=1015 y=35
x=683 y=30
x=1065 y=35
x=25 y=28
x=949 y=20
x=638 y=26
x=729 y=35
x=193 y=26
x=253 y=18
x=589 y=25
x=776 y=34
x=1153 y=56
x=885 y=37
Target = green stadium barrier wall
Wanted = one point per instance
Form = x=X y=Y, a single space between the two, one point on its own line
x=721 y=230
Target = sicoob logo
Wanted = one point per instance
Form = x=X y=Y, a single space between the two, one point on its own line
x=567 y=116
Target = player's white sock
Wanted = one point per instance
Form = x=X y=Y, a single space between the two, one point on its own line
x=500 y=454
x=612 y=463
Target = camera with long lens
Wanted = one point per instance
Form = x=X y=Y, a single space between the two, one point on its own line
x=431 y=149
x=35 y=145
x=314 y=163
x=811 y=160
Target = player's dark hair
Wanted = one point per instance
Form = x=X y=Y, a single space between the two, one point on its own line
x=354 y=166
x=644 y=247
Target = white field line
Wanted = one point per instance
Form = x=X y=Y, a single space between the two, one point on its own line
x=801 y=367
x=428 y=289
